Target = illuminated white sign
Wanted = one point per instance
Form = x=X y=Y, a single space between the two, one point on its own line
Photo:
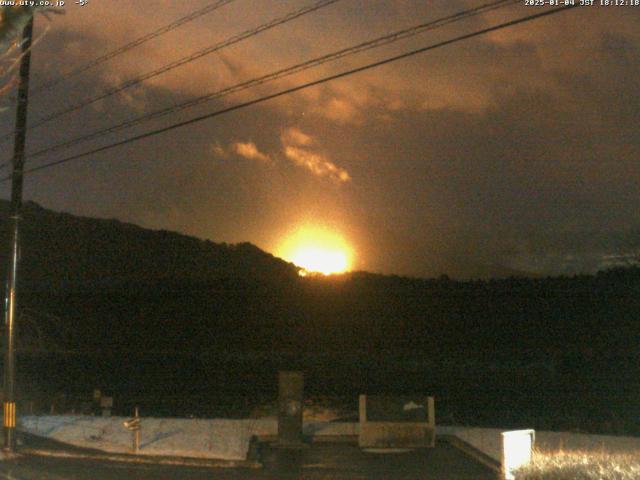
x=517 y=448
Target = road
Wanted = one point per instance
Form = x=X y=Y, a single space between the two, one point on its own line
x=319 y=462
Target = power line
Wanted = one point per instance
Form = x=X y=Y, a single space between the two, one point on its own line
x=108 y=56
x=185 y=60
x=300 y=87
x=135 y=43
x=377 y=42
x=380 y=41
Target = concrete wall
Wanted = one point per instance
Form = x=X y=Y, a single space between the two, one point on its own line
x=489 y=441
x=196 y=438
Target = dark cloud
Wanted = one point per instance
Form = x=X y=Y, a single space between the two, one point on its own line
x=501 y=154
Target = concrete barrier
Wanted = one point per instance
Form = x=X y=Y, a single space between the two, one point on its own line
x=485 y=444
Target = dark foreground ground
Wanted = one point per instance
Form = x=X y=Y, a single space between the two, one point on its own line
x=336 y=462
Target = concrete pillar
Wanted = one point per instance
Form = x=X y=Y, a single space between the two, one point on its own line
x=431 y=411
x=290 y=405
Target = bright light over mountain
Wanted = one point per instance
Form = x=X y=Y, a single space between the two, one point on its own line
x=317 y=250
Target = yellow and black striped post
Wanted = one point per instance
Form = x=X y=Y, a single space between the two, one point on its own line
x=9 y=415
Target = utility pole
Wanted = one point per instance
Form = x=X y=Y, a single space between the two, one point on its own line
x=16 y=207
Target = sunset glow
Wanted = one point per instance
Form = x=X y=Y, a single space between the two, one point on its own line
x=317 y=250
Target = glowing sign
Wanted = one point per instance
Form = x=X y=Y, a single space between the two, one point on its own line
x=517 y=448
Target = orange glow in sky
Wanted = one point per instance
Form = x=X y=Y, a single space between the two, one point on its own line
x=317 y=250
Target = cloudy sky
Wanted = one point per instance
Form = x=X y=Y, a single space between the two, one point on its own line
x=516 y=150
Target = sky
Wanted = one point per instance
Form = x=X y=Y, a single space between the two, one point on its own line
x=516 y=151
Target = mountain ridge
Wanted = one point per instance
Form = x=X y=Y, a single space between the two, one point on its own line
x=61 y=249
